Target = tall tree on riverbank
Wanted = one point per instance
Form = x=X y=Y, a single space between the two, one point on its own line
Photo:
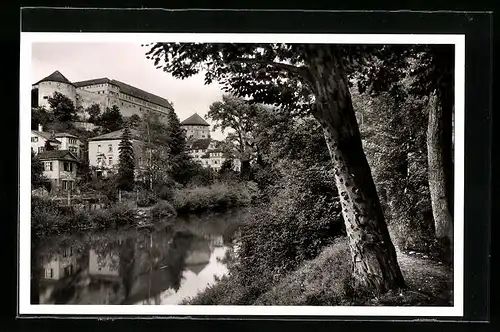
x=431 y=71
x=178 y=157
x=126 y=162
x=239 y=116
x=306 y=79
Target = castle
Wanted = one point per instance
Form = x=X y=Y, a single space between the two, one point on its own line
x=202 y=147
x=102 y=91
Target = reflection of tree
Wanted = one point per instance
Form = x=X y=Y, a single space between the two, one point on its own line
x=127 y=261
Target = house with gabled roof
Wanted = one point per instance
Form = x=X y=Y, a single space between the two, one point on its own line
x=39 y=139
x=104 y=151
x=70 y=142
x=60 y=167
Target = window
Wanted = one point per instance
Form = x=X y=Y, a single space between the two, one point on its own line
x=215 y=162
x=45 y=97
x=99 y=148
x=68 y=167
x=41 y=149
x=48 y=166
x=72 y=149
x=110 y=147
x=110 y=160
x=49 y=273
x=34 y=139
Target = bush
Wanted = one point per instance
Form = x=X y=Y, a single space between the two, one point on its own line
x=146 y=199
x=163 y=209
x=218 y=196
x=47 y=217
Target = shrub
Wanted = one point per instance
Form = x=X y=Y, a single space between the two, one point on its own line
x=215 y=197
x=146 y=199
x=163 y=209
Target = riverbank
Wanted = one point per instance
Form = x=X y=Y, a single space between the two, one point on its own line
x=326 y=280
x=50 y=217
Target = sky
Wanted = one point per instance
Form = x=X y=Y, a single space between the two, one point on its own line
x=126 y=63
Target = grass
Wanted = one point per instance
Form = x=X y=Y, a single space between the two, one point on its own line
x=326 y=280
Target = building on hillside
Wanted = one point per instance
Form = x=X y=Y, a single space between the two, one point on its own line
x=202 y=148
x=70 y=142
x=39 y=138
x=59 y=167
x=102 y=91
x=104 y=153
x=196 y=127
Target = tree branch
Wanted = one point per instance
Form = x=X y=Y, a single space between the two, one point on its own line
x=291 y=68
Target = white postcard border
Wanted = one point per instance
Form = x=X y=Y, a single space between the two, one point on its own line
x=25 y=308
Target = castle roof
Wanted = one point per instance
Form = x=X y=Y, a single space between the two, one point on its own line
x=55 y=77
x=202 y=143
x=57 y=155
x=127 y=89
x=194 y=120
x=114 y=135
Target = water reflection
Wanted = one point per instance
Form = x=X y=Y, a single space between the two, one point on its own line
x=161 y=266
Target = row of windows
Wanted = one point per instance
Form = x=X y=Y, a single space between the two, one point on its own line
x=67 y=166
x=72 y=140
x=101 y=159
x=110 y=148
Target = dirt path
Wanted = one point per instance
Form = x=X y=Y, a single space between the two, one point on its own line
x=429 y=282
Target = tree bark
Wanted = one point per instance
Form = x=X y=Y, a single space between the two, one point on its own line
x=372 y=252
x=438 y=168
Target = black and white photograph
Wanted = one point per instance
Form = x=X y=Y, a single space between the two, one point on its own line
x=316 y=174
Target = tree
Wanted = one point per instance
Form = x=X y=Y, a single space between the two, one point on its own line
x=110 y=120
x=62 y=107
x=126 y=162
x=48 y=146
x=94 y=112
x=178 y=157
x=40 y=116
x=431 y=69
x=237 y=115
x=306 y=79
x=154 y=149
x=132 y=121
x=37 y=177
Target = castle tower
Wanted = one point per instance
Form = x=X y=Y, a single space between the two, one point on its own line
x=196 y=127
x=55 y=82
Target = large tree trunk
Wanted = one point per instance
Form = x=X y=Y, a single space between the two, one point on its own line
x=373 y=254
x=439 y=183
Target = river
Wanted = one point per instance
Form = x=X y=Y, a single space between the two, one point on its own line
x=165 y=265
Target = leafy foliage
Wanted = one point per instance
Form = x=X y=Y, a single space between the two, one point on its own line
x=126 y=162
x=63 y=109
x=37 y=177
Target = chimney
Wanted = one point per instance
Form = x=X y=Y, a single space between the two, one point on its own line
x=40 y=128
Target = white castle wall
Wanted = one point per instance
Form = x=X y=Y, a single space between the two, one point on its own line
x=47 y=89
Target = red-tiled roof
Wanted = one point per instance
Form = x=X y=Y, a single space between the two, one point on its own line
x=55 y=77
x=57 y=155
x=194 y=120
